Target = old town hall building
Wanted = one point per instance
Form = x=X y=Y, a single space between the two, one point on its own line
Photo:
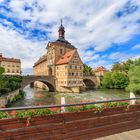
x=63 y=62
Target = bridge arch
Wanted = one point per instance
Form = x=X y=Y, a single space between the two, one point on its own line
x=49 y=85
x=49 y=81
x=89 y=84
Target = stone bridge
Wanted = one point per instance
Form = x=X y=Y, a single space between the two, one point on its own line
x=48 y=80
x=90 y=82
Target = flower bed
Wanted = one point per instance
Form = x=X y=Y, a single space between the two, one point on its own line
x=33 y=113
x=83 y=122
x=56 y=110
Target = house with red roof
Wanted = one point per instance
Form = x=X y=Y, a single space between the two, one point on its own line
x=100 y=71
x=63 y=62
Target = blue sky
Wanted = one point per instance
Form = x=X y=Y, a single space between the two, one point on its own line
x=104 y=31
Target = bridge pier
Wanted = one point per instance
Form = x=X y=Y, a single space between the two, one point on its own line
x=68 y=89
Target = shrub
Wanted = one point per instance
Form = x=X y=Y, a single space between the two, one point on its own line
x=134 y=78
x=4 y=90
x=115 y=79
x=16 y=98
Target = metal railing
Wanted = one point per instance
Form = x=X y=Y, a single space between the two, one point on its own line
x=66 y=105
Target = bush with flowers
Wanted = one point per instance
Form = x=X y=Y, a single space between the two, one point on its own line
x=55 y=110
x=28 y=114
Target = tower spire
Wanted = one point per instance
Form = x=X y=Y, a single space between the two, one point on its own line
x=61 y=22
x=61 y=31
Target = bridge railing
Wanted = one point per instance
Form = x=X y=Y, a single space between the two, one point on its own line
x=67 y=105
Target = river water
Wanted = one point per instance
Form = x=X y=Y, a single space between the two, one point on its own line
x=36 y=96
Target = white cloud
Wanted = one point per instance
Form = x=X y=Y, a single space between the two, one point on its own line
x=98 y=63
x=136 y=56
x=88 y=23
x=136 y=46
x=1 y=1
x=96 y=18
x=119 y=56
x=15 y=45
x=89 y=55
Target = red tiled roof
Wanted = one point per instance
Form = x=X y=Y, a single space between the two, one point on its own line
x=66 y=57
x=11 y=60
x=100 y=69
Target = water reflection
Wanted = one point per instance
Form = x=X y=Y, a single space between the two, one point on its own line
x=36 y=96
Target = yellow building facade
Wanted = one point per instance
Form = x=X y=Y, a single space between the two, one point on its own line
x=63 y=62
x=12 y=66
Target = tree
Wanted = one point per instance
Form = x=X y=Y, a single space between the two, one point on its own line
x=123 y=66
x=137 y=61
x=116 y=79
x=1 y=76
x=124 y=74
x=134 y=78
x=116 y=67
x=88 y=70
x=106 y=80
x=119 y=80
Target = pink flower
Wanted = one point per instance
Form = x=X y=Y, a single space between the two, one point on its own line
x=13 y=113
x=27 y=124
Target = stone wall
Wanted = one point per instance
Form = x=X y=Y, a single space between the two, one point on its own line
x=10 y=96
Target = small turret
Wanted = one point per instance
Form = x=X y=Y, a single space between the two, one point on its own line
x=61 y=31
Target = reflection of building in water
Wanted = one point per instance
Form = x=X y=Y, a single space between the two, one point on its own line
x=12 y=66
x=63 y=62
x=43 y=97
x=38 y=94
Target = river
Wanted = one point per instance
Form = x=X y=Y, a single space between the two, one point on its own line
x=36 y=96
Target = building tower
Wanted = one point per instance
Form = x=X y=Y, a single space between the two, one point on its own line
x=61 y=31
x=62 y=62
